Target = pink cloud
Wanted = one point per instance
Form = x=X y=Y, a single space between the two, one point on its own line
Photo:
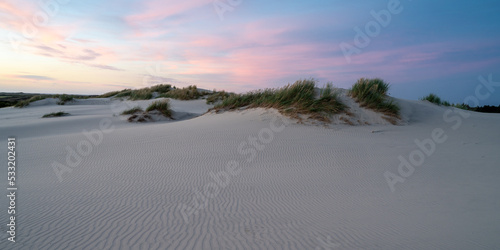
x=157 y=9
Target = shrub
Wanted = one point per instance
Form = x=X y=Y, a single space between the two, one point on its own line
x=63 y=99
x=57 y=114
x=433 y=98
x=292 y=100
x=163 y=106
x=372 y=93
x=133 y=110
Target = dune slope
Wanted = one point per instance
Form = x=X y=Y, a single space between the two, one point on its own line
x=253 y=179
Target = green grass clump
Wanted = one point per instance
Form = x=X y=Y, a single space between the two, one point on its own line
x=63 y=99
x=187 y=93
x=432 y=98
x=56 y=114
x=132 y=111
x=124 y=93
x=141 y=94
x=292 y=100
x=217 y=96
x=163 y=106
x=436 y=100
x=161 y=88
x=372 y=93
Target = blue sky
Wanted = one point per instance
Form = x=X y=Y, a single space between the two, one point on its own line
x=91 y=47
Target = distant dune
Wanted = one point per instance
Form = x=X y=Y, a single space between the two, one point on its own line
x=252 y=178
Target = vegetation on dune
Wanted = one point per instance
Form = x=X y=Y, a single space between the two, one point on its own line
x=372 y=93
x=63 y=99
x=141 y=94
x=292 y=99
x=163 y=106
x=124 y=93
x=109 y=94
x=162 y=88
x=24 y=103
x=187 y=93
x=215 y=96
x=133 y=110
x=56 y=114
x=433 y=98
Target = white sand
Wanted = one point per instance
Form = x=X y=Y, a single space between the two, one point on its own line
x=151 y=185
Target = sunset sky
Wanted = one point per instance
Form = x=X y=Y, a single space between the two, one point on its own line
x=92 y=47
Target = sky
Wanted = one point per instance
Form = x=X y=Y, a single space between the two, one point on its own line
x=447 y=47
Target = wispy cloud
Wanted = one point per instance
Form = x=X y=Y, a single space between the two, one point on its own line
x=34 y=77
x=101 y=66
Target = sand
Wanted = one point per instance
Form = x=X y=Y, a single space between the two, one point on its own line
x=251 y=179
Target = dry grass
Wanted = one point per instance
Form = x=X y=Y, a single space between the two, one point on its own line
x=132 y=111
x=24 y=103
x=163 y=106
x=293 y=100
x=372 y=94
x=187 y=93
x=63 y=99
x=56 y=114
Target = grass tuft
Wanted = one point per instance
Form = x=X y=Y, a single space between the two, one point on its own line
x=132 y=111
x=292 y=100
x=432 y=98
x=372 y=94
x=56 y=114
x=163 y=106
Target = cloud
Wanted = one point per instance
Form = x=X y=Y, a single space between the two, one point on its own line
x=101 y=66
x=34 y=77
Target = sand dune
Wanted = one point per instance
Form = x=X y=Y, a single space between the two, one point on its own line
x=252 y=179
